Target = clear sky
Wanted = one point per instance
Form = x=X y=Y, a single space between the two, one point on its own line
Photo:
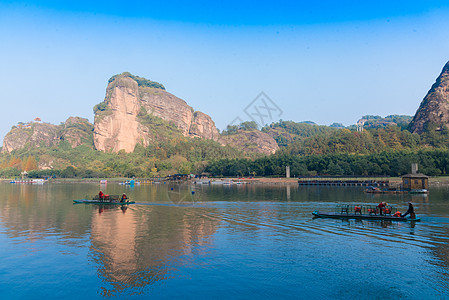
x=324 y=61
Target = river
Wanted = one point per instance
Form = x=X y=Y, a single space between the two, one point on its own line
x=225 y=242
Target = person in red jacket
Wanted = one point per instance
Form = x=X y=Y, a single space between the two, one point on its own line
x=103 y=196
x=381 y=207
x=124 y=198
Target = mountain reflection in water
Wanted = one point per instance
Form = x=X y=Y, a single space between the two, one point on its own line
x=143 y=246
x=246 y=241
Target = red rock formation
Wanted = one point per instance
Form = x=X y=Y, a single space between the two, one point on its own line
x=434 y=108
x=117 y=126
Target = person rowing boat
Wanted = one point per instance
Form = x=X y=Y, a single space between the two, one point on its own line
x=124 y=198
x=382 y=206
x=411 y=211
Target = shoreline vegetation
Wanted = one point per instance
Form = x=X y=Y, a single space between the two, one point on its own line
x=340 y=152
x=433 y=181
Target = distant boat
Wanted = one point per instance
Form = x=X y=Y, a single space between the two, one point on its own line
x=130 y=182
x=32 y=181
x=220 y=182
x=419 y=191
x=376 y=190
x=202 y=182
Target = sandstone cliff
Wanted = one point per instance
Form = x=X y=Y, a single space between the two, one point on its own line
x=434 y=109
x=30 y=134
x=75 y=131
x=118 y=119
x=251 y=141
x=202 y=126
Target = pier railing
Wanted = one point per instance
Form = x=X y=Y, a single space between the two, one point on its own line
x=345 y=181
x=363 y=209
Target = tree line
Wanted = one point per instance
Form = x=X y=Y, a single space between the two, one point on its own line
x=431 y=162
x=308 y=150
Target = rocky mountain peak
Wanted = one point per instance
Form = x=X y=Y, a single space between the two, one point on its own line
x=118 y=119
x=433 y=111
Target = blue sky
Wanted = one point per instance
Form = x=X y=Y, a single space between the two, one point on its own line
x=327 y=61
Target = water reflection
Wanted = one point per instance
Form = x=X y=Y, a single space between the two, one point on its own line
x=179 y=239
x=146 y=245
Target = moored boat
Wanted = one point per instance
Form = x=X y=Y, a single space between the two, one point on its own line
x=376 y=190
x=419 y=191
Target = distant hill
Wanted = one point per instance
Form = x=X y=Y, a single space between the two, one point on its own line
x=287 y=132
x=371 y=121
x=76 y=131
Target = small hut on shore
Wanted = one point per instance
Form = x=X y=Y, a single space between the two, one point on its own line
x=415 y=180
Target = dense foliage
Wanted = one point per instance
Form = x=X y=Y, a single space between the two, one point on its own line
x=431 y=162
x=287 y=132
x=386 y=150
x=140 y=81
x=181 y=155
x=308 y=149
x=401 y=121
x=233 y=129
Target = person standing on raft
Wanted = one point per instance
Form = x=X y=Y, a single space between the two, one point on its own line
x=381 y=207
x=411 y=211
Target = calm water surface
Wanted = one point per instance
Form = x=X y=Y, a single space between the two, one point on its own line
x=226 y=242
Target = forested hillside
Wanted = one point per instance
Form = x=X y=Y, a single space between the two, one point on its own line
x=288 y=132
x=380 y=151
x=142 y=130
x=316 y=150
x=180 y=155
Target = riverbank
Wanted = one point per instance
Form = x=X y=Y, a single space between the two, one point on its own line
x=433 y=181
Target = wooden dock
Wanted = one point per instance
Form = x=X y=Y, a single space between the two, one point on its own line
x=344 y=181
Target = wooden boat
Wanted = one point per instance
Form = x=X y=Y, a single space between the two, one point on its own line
x=376 y=190
x=107 y=199
x=419 y=191
x=107 y=202
x=343 y=215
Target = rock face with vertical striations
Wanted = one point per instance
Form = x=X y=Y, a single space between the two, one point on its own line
x=202 y=126
x=130 y=99
x=434 y=109
x=76 y=131
x=31 y=134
